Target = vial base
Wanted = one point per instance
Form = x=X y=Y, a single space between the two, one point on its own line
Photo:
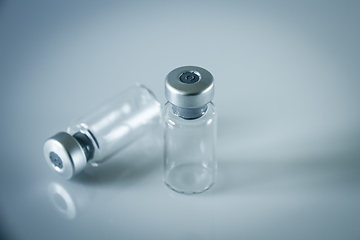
x=189 y=178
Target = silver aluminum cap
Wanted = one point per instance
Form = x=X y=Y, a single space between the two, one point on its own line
x=189 y=87
x=65 y=155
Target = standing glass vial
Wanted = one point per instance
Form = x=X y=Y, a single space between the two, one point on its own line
x=104 y=131
x=190 y=130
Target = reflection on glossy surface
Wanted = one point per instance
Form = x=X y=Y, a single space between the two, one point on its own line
x=62 y=200
x=68 y=198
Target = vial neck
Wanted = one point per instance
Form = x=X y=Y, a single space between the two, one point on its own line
x=86 y=145
x=189 y=113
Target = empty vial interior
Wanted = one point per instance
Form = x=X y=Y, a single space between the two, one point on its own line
x=117 y=123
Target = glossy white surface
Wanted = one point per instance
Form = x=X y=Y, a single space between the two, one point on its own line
x=287 y=95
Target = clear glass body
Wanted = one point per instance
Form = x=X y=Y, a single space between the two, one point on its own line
x=119 y=122
x=190 y=165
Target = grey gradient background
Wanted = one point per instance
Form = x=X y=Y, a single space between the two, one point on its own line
x=287 y=95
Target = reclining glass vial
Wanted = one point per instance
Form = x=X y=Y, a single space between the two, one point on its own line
x=190 y=165
x=104 y=131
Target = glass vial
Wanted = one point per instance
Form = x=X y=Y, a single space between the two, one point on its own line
x=107 y=129
x=190 y=130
